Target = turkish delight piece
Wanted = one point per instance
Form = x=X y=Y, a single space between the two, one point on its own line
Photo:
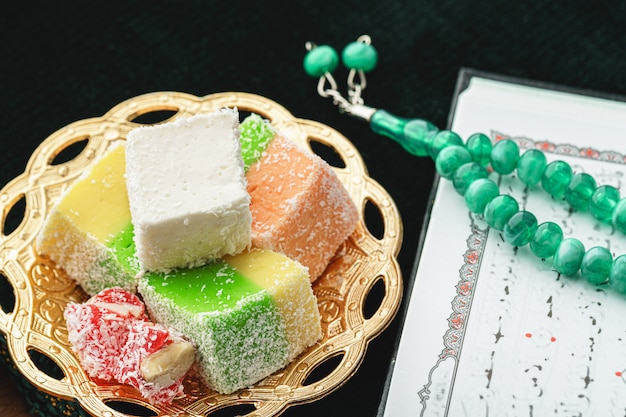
x=89 y=233
x=116 y=342
x=299 y=206
x=187 y=191
x=249 y=314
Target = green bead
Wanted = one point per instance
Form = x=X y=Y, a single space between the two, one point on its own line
x=500 y=210
x=443 y=139
x=360 y=56
x=579 y=191
x=467 y=174
x=603 y=201
x=617 y=276
x=619 y=216
x=556 y=177
x=414 y=135
x=504 y=156
x=479 y=146
x=531 y=166
x=320 y=60
x=520 y=228
x=479 y=194
x=569 y=256
x=546 y=240
x=450 y=159
x=596 y=265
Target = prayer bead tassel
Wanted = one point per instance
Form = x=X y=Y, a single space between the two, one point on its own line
x=414 y=135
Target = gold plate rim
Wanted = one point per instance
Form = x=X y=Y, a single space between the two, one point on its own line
x=41 y=291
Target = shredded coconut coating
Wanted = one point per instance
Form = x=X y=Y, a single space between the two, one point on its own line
x=111 y=334
x=299 y=206
x=187 y=190
x=78 y=233
x=240 y=340
x=91 y=264
x=236 y=346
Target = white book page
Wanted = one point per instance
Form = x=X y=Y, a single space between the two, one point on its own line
x=492 y=330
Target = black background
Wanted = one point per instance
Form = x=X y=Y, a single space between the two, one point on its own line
x=61 y=62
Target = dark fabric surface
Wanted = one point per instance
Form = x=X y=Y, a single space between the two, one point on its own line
x=62 y=62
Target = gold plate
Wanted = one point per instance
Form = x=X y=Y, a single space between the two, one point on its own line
x=36 y=324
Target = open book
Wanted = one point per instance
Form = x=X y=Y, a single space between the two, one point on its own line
x=489 y=329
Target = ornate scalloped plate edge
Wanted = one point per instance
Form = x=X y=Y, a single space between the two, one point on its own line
x=41 y=291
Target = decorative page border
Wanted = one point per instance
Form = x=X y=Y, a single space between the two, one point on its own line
x=461 y=308
x=434 y=392
x=562 y=149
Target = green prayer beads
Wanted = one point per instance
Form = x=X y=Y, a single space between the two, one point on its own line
x=467 y=174
x=569 y=256
x=499 y=210
x=320 y=60
x=617 y=275
x=520 y=228
x=556 y=177
x=546 y=240
x=579 y=191
x=479 y=146
x=467 y=165
x=479 y=194
x=619 y=216
x=450 y=159
x=359 y=56
x=504 y=156
x=531 y=166
x=602 y=203
x=596 y=265
x=442 y=139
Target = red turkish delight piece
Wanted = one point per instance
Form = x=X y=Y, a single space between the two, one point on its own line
x=112 y=336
